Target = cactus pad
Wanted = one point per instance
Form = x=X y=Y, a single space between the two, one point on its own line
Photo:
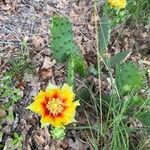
x=128 y=77
x=62 y=42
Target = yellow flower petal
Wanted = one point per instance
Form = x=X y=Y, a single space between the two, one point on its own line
x=46 y=121
x=76 y=103
x=35 y=107
x=59 y=122
x=52 y=93
x=68 y=94
x=69 y=114
x=117 y=3
x=40 y=97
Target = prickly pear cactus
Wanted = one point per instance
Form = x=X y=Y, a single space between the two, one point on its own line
x=128 y=77
x=62 y=42
x=76 y=64
x=80 y=65
x=58 y=133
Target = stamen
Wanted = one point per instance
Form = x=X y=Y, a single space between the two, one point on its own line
x=55 y=106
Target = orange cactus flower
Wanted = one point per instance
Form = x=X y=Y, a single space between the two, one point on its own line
x=55 y=105
x=117 y=3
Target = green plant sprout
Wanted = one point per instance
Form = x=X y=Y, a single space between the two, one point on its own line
x=58 y=133
x=19 y=65
x=8 y=93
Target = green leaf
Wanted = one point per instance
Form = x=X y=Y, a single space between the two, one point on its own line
x=104 y=34
x=93 y=70
x=62 y=42
x=118 y=58
x=84 y=94
x=128 y=77
x=145 y=118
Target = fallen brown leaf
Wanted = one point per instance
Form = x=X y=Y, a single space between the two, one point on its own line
x=46 y=73
x=48 y=63
x=38 y=42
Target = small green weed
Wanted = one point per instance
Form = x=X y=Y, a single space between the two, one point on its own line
x=17 y=141
x=14 y=143
x=8 y=92
x=19 y=65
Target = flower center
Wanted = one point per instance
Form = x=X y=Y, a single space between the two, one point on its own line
x=55 y=106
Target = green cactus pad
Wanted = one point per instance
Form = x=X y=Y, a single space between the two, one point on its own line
x=58 y=133
x=62 y=42
x=128 y=77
